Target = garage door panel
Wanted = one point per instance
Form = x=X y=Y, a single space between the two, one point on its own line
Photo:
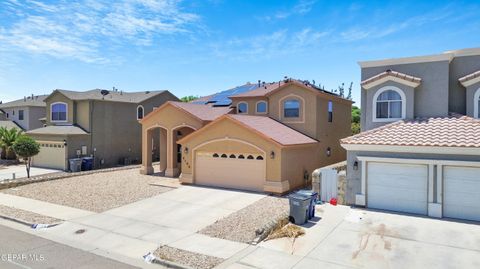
x=461 y=192
x=51 y=155
x=235 y=173
x=397 y=187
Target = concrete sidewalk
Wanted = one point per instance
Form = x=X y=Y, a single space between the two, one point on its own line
x=6 y=172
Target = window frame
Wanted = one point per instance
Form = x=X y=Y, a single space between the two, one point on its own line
x=21 y=114
x=374 y=105
x=476 y=104
x=299 y=108
x=66 y=111
x=238 y=108
x=143 y=112
x=330 y=111
x=256 y=107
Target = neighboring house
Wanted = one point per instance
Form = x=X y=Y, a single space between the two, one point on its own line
x=259 y=137
x=25 y=113
x=96 y=123
x=419 y=151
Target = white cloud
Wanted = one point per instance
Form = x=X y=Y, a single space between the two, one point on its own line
x=80 y=30
x=300 y=8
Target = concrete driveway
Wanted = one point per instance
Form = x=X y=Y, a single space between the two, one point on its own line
x=171 y=218
x=6 y=172
x=356 y=238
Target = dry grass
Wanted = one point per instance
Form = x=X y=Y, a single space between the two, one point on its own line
x=95 y=192
x=285 y=229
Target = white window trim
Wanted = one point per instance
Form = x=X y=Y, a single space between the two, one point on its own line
x=476 y=98
x=374 y=100
x=281 y=112
x=266 y=107
x=66 y=110
x=238 y=108
x=143 y=112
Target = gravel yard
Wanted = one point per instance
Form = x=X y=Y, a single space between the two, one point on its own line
x=26 y=216
x=187 y=258
x=241 y=225
x=95 y=192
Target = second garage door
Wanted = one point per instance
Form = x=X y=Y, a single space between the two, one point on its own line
x=462 y=192
x=397 y=187
x=51 y=155
x=238 y=171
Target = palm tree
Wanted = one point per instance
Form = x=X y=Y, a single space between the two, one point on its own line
x=3 y=149
x=8 y=137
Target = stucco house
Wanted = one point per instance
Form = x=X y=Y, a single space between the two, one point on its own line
x=26 y=113
x=265 y=137
x=419 y=151
x=98 y=123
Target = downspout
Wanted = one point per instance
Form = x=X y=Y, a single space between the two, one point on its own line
x=90 y=123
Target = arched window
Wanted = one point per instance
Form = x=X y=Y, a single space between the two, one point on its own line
x=250 y=157
x=261 y=107
x=232 y=156
x=215 y=155
x=476 y=104
x=241 y=157
x=224 y=155
x=140 y=112
x=242 y=108
x=259 y=158
x=389 y=104
x=58 y=112
x=291 y=108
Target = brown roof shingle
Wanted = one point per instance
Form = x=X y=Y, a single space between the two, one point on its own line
x=391 y=73
x=450 y=131
x=37 y=100
x=203 y=112
x=273 y=129
x=114 y=96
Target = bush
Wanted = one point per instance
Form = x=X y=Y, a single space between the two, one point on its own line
x=26 y=147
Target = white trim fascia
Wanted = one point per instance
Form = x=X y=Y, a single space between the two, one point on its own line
x=404 y=104
x=465 y=52
x=391 y=78
x=418 y=161
x=476 y=98
x=408 y=60
x=470 y=82
x=413 y=149
x=66 y=114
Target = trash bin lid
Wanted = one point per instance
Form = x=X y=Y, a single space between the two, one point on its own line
x=307 y=192
x=297 y=196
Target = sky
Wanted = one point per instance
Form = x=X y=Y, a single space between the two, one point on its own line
x=199 y=47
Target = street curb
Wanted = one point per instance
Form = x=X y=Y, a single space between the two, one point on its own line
x=170 y=264
x=26 y=223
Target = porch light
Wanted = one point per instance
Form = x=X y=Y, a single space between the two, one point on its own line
x=185 y=150
x=355 y=165
x=272 y=154
x=329 y=152
x=65 y=142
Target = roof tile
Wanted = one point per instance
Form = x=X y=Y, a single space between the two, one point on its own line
x=203 y=112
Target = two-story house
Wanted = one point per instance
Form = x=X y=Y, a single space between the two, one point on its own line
x=98 y=123
x=419 y=151
x=25 y=114
x=259 y=137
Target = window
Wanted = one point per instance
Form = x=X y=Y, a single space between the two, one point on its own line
x=250 y=157
x=476 y=104
x=242 y=108
x=7 y=115
x=261 y=107
x=330 y=111
x=59 y=112
x=241 y=157
x=13 y=112
x=388 y=104
x=20 y=115
x=224 y=155
x=140 y=113
x=291 y=108
x=232 y=156
x=259 y=158
x=215 y=155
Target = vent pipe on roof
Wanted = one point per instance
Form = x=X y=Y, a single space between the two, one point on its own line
x=24 y=98
x=259 y=82
x=32 y=96
x=147 y=92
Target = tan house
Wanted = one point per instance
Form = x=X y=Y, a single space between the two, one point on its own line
x=98 y=123
x=259 y=137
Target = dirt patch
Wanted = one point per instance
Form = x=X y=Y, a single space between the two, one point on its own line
x=95 y=192
x=381 y=231
x=192 y=259
x=26 y=216
x=246 y=224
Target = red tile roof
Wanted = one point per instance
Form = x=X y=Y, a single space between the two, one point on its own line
x=262 y=90
x=451 y=131
x=390 y=73
x=469 y=77
x=203 y=112
x=273 y=129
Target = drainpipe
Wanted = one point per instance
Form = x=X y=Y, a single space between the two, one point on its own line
x=90 y=123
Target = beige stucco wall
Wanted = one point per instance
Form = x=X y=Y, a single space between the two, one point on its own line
x=252 y=104
x=226 y=136
x=82 y=117
x=170 y=117
x=58 y=97
x=298 y=162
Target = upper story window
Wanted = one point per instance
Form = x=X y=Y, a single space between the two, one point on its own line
x=140 y=112
x=389 y=104
x=58 y=112
x=261 y=107
x=476 y=104
x=242 y=108
x=330 y=111
x=20 y=115
x=291 y=108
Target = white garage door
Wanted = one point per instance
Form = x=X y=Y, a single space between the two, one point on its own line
x=238 y=171
x=461 y=192
x=52 y=155
x=397 y=187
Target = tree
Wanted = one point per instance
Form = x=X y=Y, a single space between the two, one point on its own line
x=189 y=98
x=7 y=139
x=355 y=120
x=26 y=148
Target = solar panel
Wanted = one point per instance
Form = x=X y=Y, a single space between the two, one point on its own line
x=199 y=102
x=221 y=98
